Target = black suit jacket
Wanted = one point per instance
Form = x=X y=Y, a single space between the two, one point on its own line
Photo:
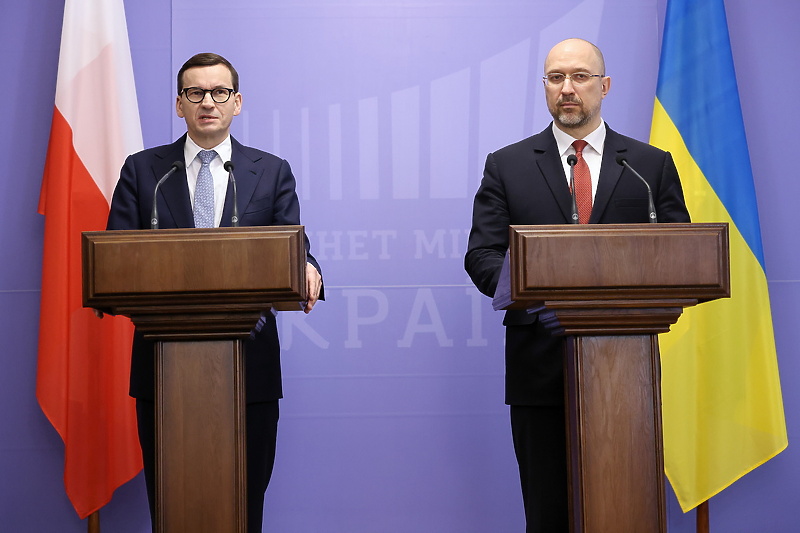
x=525 y=183
x=266 y=197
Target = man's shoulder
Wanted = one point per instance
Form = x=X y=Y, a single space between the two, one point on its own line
x=256 y=155
x=527 y=146
x=159 y=152
x=617 y=141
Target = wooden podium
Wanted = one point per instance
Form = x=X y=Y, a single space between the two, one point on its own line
x=610 y=289
x=198 y=293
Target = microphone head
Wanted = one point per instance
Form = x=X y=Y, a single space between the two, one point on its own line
x=621 y=160
x=572 y=160
x=178 y=165
x=228 y=166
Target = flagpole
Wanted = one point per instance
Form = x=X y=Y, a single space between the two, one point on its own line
x=94 y=522
x=701 y=515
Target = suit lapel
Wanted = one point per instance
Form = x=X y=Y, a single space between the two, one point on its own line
x=175 y=191
x=549 y=162
x=610 y=173
x=246 y=174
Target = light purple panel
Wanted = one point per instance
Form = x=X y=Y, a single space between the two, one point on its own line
x=393 y=419
x=31 y=457
x=32 y=496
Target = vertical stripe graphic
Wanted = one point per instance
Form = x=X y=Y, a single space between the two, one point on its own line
x=84 y=362
x=405 y=144
x=335 y=150
x=449 y=148
x=368 y=161
x=722 y=403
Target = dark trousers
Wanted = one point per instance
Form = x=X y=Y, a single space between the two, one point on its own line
x=541 y=449
x=262 y=433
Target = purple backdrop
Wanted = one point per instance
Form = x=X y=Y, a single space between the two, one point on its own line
x=393 y=419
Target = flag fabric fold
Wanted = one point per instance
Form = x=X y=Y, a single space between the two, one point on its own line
x=722 y=404
x=84 y=361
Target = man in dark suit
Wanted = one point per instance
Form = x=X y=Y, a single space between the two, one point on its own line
x=208 y=99
x=526 y=183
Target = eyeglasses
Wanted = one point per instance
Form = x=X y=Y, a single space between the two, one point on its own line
x=196 y=95
x=577 y=78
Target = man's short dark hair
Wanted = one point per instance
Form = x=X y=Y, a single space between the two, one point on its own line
x=208 y=59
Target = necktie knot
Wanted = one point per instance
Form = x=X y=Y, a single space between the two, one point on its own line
x=207 y=156
x=579 y=146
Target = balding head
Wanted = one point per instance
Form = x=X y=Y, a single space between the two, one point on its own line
x=575 y=103
x=576 y=51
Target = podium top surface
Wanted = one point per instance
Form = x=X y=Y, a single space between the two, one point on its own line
x=214 y=267
x=617 y=262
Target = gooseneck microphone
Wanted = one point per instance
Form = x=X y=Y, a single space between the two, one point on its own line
x=572 y=160
x=176 y=166
x=235 y=218
x=651 y=206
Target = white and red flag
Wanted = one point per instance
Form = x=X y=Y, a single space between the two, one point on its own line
x=84 y=361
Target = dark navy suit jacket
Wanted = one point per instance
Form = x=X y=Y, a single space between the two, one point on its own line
x=266 y=197
x=525 y=183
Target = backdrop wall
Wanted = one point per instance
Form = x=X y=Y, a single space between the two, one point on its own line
x=393 y=418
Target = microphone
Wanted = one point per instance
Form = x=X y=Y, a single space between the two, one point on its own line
x=650 y=205
x=235 y=218
x=572 y=160
x=177 y=165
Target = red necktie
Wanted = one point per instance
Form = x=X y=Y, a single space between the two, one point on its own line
x=583 y=184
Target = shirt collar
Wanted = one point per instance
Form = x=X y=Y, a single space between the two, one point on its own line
x=191 y=149
x=595 y=140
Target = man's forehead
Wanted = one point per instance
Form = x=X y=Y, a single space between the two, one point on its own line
x=573 y=54
x=218 y=74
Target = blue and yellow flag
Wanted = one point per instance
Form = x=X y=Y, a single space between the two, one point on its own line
x=722 y=404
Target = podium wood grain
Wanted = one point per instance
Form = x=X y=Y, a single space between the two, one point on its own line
x=197 y=293
x=610 y=290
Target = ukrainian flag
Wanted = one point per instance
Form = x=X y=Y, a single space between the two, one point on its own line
x=722 y=405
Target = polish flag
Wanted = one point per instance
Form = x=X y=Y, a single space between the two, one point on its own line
x=84 y=361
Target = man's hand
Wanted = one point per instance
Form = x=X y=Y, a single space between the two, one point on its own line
x=313 y=285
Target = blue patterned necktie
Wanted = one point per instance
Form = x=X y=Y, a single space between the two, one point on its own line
x=204 y=192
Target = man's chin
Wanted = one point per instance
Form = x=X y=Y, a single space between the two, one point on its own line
x=571 y=120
